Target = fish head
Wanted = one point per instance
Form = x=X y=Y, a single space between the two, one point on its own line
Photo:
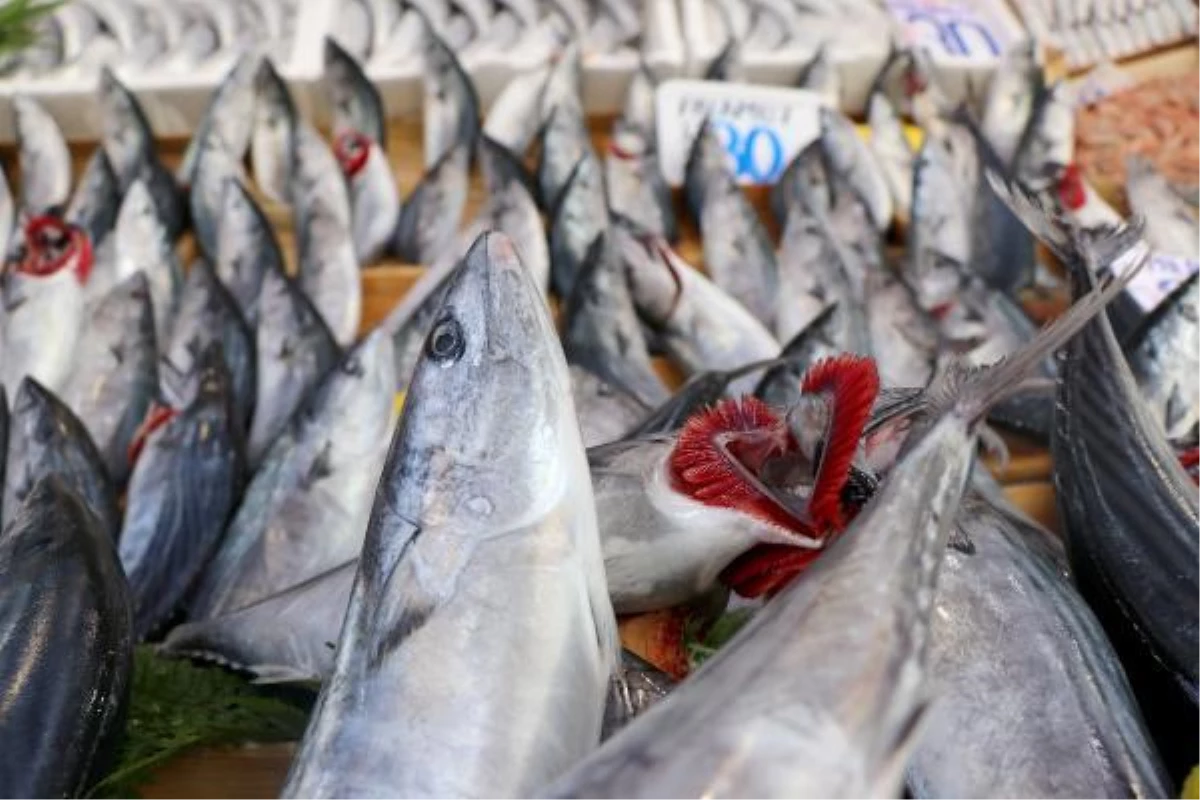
x=53 y=245
x=450 y=94
x=707 y=154
x=273 y=106
x=651 y=268
x=38 y=418
x=488 y=428
x=44 y=533
x=138 y=211
x=125 y=131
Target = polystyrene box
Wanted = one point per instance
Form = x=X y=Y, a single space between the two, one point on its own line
x=174 y=101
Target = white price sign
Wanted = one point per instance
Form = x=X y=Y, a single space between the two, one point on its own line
x=953 y=30
x=761 y=127
x=1158 y=278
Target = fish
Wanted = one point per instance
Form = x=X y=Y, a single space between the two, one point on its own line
x=1171 y=224
x=46 y=438
x=737 y=250
x=44 y=158
x=638 y=112
x=1164 y=362
x=451 y=113
x=67 y=654
x=635 y=184
x=485 y=510
x=430 y=215
x=114 y=378
x=213 y=171
x=43 y=299
x=819 y=74
x=275 y=122
x=779 y=386
x=511 y=208
x=564 y=142
x=1047 y=146
x=9 y=229
x=293 y=351
x=804 y=180
x=850 y=158
x=600 y=330
x=578 y=217
x=246 y=250
x=699 y=327
x=904 y=339
x=228 y=120
x=208 y=314
x=188 y=473
x=142 y=243
x=95 y=202
x=355 y=102
x=890 y=148
x=1009 y=101
x=1008 y=622
x=514 y=117
x=305 y=510
x=128 y=141
x=354 y=27
x=328 y=268
x=375 y=204
x=606 y=412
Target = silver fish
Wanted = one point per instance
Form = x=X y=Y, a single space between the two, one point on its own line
x=247 y=249
x=484 y=514
x=904 y=339
x=1047 y=145
x=565 y=141
x=1164 y=362
x=606 y=412
x=431 y=214
x=1171 y=225
x=634 y=182
x=275 y=120
x=115 y=373
x=45 y=161
x=184 y=485
x=451 y=116
x=142 y=244
x=511 y=209
x=293 y=351
x=1009 y=102
x=939 y=234
x=229 y=117
x=95 y=202
x=891 y=150
x=578 y=217
x=305 y=511
x=849 y=157
x=737 y=251
x=213 y=171
x=354 y=100
x=374 y=196
x=513 y=118
x=9 y=230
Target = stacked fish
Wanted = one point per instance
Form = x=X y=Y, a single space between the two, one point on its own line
x=456 y=592
x=173 y=36
x=1094 y=31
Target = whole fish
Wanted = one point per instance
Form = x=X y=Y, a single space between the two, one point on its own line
x=904 y=339
x=699 y=326
x=634 y=182
x=208 y=314
x=1164 y=362
x=95 y=202
x=45 y=161
x=46 y=438
x=579 y=216
x=451 y=115
x=143 y=244
x=293 y=351
x=354 y=100
x=431 y=214
x=247 y=250
x=211 y=175
x=737 y=251
x=601 y=331
x=892 y=152
x=511 y=209
x=606 y=412
x=229 y=117
x=43 y=304
x=328 y=268
x=1008 y=104
x=275 y=121
x=115 y=373
x=186 y=480
x=374 y=196
x=67 y=652
x=1171 y=224
x=1008 y=623
x=850 y=158
x=305 y=511
x=485 y=514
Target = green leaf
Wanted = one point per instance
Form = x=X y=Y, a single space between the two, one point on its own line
x=18 y=22
x=175 y=705
x=701 y=645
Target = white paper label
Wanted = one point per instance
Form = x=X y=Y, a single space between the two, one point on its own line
x=1158 y=278
x=959 y=31
x=761 y=127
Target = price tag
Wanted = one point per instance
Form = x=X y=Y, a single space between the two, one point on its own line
x=761 y=127
x=1158 y=278
x=954 y=30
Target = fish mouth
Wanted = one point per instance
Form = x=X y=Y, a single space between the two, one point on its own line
x=53 y=244
x=352 y=149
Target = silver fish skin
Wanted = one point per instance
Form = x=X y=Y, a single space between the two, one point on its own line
x=93 y=205
x=328 y=268
x=229 y=117
x=638 y=111
x=293 y=351
x=1008 y=104
x=564 y=85
x=634 y=182
x=275 y=120
x=891 y=151
x=849 y=157
x=904 y=339
x=213 y=171
x=564 y=142
x=601 y=331
x=9 y=229
x=1008 y=623
x=661 y=546
x=247 y=249
x=805 y=179
x=1048 y=144
x=1167 y=366
x=820 y=75
x=514 y=117
x=1171 y=224
x=847 y=728
x=208 y=315
x=305 y=511
x=44 y=159
x=374 y=196
x=431 y=214
x=580 y=215
x=67 y=653
x=502 y=507
x=737 y=251
x=354 y=27
x=451 y=116
x=606 y=412
x=46 y=438
x=700 y=327
x=115 y=374
x=183 y=488
x=142 y=244
x=511 y=210
x=287 y=637
x=355 y=101
x=939 y=234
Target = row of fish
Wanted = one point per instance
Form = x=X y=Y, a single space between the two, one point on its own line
x=829 y=421
x=1095 y=31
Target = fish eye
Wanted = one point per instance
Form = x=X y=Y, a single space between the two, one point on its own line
x=446 y=342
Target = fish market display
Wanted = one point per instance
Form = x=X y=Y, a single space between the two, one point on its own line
x=1099 y=30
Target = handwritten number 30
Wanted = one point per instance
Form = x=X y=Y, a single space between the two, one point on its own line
x=757 y=156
